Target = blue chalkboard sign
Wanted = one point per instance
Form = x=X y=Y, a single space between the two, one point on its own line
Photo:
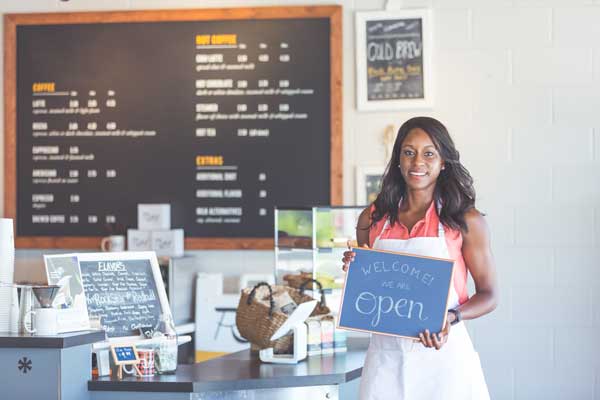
x=123 y=355
x=395 y=294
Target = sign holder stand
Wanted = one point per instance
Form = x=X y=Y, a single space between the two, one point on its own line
x=295 y=322
x=114 y=349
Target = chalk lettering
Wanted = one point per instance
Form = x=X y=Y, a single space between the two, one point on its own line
x=366 y=269
x=104 y=266
x=400 y=304
x=404 y=268
x=368 y=297
x=410 y=310
x=415 y=272
x=427 y=279
x=381 y=305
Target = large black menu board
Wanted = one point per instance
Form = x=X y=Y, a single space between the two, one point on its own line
x=122 y=293
x=222 y=119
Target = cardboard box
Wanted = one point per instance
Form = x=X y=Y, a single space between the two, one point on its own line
x=168 y=243
x=139 y=240
x=327 y=329
x=314 y=336
x=154 y=217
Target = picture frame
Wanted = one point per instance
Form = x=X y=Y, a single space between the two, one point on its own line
x=394 y=60
x=368 y=183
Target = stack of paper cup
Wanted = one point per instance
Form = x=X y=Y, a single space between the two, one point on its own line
x=7 y=269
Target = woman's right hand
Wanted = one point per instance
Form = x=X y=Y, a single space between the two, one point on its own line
x=349 y=256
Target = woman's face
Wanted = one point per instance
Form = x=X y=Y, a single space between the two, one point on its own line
x=420 y=161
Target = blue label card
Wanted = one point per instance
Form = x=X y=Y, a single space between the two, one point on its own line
x=125 y=353
x=395 y=294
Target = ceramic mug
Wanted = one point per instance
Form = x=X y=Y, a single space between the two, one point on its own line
x=113 y=243
x=146 y=364
x=44 y=322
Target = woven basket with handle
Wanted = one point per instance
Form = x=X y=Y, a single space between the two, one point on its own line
x=257 y=320
x=296 y=280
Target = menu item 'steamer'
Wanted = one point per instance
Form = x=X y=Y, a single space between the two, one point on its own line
x=426 y=206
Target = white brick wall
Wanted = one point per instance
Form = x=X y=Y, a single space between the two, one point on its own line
x=576 y=27
x=576 y=106
x=538 y=308
x=596 y=309
x=538 y=145
x=552 y=66
x=596 y=143
x=554 y=225
x=572 y=182
x=528 y=266
x=505 y=183
x=512 y=106
x=452 y=28
x=577 y=267
x=553 y=383
x=511 y=27
x=569 y=346
x=596 y=65
x=518 y=84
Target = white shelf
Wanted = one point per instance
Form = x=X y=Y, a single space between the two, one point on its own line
x=105 y=345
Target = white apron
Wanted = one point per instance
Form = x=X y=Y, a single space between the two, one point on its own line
x=403 y=369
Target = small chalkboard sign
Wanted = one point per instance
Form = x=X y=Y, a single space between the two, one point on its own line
x=124 y=290
x=125 y=355
x=395 y=294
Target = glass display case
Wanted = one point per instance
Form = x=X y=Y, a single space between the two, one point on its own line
x=310 y=242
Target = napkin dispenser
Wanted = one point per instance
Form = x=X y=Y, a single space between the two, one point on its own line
x=295 y=323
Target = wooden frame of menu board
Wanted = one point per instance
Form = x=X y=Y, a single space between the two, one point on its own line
x=12 y=21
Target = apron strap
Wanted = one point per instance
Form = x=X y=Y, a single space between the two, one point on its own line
x=441 y=231
x=385 y=226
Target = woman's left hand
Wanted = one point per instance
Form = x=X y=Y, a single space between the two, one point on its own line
x=436 y=340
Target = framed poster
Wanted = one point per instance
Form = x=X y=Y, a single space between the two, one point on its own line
x=393 y=60
x=368 y=184
x=395 y=294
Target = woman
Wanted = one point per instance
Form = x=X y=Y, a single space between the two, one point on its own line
x=427 y=207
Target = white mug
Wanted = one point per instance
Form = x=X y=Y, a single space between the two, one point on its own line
x=146 y=365
x=113 y=243
x=44 y=321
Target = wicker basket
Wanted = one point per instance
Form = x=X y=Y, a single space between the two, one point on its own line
x=257 y=322
x=296 y=280
x=321 y=308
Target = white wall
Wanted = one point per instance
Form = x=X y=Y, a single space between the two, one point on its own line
x=518 y=85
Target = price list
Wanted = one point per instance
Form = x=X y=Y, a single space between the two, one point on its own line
x=222 y=120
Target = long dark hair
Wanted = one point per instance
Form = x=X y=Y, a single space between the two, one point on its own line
x=454 y=186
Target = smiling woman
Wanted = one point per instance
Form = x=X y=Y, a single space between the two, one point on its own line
x=426 y=207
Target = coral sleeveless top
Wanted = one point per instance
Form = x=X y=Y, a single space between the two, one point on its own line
x=428 y=227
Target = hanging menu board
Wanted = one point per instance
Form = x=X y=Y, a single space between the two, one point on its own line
x=223 y=114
